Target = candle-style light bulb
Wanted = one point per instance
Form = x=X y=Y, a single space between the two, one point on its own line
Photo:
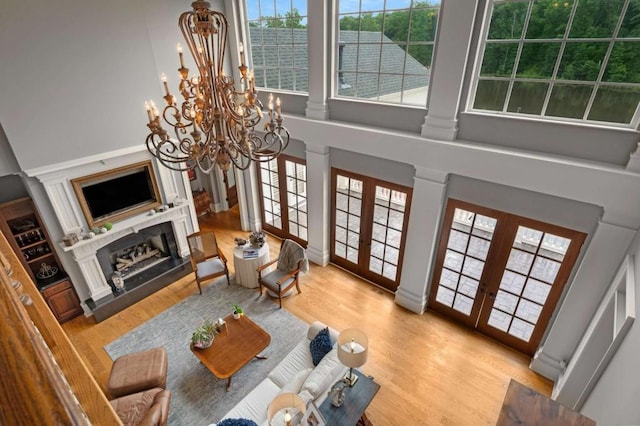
x=241 y=50
x=278 y=107
x=179 y=48
x=148 y=108
x=352 y=345
x=287 y=418
x=163 y=77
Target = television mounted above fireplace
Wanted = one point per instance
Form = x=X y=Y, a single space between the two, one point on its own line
x=116 y=194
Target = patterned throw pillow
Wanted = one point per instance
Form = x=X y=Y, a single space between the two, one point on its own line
x=320 y=345
x=237 y=422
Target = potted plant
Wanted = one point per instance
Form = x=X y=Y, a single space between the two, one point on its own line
x=203 y=336
x=237 y=311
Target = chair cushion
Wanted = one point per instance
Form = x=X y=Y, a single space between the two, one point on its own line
x=147 y=408
x=210 y=267
x=295 y=384
x=323 y=375
x=271 y=279
x=138 y=371
x=320 y=346
x=298 y=359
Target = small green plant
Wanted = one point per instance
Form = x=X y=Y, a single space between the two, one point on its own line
x=237 y=309
x=204 y=334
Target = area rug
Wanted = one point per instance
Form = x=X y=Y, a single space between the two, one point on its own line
x=197 y=396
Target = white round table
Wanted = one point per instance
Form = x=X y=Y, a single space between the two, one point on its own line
x=246 y=274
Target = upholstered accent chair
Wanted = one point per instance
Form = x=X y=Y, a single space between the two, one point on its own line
x=290 y=262
x=207 y=260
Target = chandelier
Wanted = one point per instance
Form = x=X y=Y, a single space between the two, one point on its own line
x=214 y=123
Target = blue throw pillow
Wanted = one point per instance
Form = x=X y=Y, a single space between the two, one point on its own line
x=320 y=345
x=237 y=422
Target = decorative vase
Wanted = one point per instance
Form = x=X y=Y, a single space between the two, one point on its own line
x=204 y=345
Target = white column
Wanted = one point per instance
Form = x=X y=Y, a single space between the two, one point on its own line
x=608 y=245
x=427 y=205
x=252 y=215
x=447 y=75
x=318 y=203
x=318 y=42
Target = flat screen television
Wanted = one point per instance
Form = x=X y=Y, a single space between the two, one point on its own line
x=117 y=194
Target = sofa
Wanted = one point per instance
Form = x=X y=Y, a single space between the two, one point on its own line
x=295 y=373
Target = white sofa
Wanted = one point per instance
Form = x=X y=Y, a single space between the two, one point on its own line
x=295 y=373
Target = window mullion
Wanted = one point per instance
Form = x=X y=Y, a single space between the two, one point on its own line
x=516 y=62
x=605 y=61
x=563 y=44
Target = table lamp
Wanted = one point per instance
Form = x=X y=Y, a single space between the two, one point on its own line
x=290 y=403
x=353 y=346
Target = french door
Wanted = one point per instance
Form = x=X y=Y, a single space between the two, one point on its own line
x=283 y=192
x=369 y=221
x=500 y=273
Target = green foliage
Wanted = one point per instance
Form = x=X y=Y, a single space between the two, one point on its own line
x=203 y=335
x=290 y=20
x=237 y=309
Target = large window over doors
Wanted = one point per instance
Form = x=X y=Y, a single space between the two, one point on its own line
x=283 y=189
x=278 y=35
x=385 y=49
x=573 y=60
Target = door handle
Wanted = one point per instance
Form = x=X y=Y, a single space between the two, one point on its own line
x=492 y=295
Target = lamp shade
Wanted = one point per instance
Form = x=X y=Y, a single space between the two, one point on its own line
x=288 y=402
x=353 y=347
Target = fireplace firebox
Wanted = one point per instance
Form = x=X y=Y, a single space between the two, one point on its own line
x=145 y=261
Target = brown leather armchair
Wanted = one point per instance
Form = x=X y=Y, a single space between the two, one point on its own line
x=146 y=408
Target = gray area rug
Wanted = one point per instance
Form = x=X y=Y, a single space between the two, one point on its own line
x=197 y=396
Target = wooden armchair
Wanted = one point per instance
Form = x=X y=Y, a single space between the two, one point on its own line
x=281 y=280
x=207 y=260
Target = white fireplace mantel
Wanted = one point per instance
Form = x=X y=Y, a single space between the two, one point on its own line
x=84 y=251
x=63 y=214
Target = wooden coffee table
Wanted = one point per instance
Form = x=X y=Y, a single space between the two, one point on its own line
x=239 y=342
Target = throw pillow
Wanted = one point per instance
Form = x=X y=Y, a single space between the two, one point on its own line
x=320 y=345
x=237 y=422
x=295 y=384
x=325 y=373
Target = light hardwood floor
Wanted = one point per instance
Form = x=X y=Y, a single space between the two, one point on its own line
x=431 y=370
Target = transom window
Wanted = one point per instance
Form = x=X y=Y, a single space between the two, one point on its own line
x=278 y=37
x=573 y=60
x=385 y=49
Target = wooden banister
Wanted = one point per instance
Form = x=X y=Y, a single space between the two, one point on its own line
x=42 y=378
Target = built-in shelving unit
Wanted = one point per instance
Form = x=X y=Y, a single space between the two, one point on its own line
x=27 y=235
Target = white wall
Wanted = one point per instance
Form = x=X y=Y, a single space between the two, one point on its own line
x=614 y=400
x=8 y=163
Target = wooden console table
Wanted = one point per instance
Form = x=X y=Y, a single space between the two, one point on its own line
x=524 y=406
x=356 y=400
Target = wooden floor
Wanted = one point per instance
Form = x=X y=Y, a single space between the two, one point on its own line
x=431 y=370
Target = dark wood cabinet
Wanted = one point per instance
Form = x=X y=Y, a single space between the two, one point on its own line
x=62 y=300
x=21 y=224
x=202 y=201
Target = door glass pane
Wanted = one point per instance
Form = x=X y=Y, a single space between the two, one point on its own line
x=271 y=193
x=520 y=261
x=386 y=236
x=463 y=304
x=467 y=247
x=499 y=320
x=296 y=176
x=445 y=296
x=535 y=259
x=347 y=223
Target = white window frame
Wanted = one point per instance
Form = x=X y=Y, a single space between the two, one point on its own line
x=635 y=121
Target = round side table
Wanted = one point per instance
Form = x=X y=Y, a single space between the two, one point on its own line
x=246 y=274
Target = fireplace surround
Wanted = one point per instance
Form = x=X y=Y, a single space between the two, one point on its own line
x=64 y=215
